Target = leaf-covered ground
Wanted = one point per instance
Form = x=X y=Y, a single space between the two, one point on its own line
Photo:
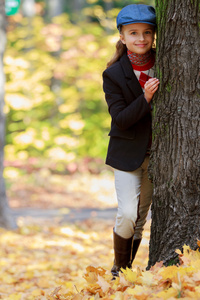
x=48 y=260
x=36 y=259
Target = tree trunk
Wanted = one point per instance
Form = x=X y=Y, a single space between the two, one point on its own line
x=6 y=219
x=28 y=8
x=78 y=5
x=55 y=8
x=108 y=5
x=175 y=160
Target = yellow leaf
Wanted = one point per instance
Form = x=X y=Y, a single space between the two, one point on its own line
x=191 y=295
x=43 y=283
x=130 y=275
x=168 y=272
x=117 y=296
x=147 y=279
x=185 y=270
x=186 y=249
x=37 y=292
x=171 y=292
x=137 y=290
x=196 y=264
x=178 y=251
x=26 y=285
x=15 y=297
x=8 y=279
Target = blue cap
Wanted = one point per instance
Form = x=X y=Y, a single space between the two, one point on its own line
x=136 y=13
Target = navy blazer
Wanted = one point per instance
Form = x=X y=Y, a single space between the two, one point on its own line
x=131 y=116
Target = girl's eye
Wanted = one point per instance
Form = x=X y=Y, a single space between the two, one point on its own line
x=148 y=32
x=133 y=32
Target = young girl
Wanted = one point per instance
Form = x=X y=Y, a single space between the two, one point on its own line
x=129 y=86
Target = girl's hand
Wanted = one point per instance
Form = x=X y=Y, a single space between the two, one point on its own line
x=150 y=88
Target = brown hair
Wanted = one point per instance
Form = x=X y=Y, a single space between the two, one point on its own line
x=120 y=50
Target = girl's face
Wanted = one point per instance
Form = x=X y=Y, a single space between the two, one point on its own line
x=138 y=37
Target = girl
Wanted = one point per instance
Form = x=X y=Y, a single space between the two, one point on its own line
x=129 y=86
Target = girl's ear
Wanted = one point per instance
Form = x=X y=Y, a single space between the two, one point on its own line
x=122 y=38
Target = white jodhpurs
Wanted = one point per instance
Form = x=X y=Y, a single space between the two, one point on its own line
x=134 y=194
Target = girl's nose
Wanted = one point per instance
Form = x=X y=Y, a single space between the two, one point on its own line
x=141 y=37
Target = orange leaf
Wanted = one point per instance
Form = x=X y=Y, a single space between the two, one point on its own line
x=94 y=289
x=165 y=284
x=141 y=297
x=92 y=274
x=98 y=271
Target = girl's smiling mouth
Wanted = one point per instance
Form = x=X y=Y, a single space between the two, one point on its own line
x=141 y=45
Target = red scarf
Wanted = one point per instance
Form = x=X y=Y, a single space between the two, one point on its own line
x=141 y=62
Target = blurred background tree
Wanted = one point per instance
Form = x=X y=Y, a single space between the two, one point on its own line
x=6 y=219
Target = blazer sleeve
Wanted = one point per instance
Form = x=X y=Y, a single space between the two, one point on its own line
x=123 y=114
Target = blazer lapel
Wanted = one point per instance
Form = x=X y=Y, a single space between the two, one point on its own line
x=132 y=80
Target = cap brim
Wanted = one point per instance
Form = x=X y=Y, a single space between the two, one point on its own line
x=153 y=24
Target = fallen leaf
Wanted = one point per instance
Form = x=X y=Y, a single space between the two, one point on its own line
x=130 y=275
x=103 y=284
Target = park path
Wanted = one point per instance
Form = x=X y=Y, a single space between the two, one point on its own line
x=65 y=215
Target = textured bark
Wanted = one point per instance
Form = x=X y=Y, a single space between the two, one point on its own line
x=175 y=160
x=6 y=219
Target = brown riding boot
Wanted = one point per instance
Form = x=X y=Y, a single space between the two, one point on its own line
x=136 y=244
x=122 y=252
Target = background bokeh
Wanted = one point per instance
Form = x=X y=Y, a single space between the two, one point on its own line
x=56 y=115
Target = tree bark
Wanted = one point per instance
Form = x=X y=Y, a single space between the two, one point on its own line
x=108 y=5
x=78 y=5
x=55 y=8
x=175 y=160
x=6 y=219
x=28 y=8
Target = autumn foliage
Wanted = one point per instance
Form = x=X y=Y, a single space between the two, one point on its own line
x=160 y=282
x=54 y=100
x=72 y=261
